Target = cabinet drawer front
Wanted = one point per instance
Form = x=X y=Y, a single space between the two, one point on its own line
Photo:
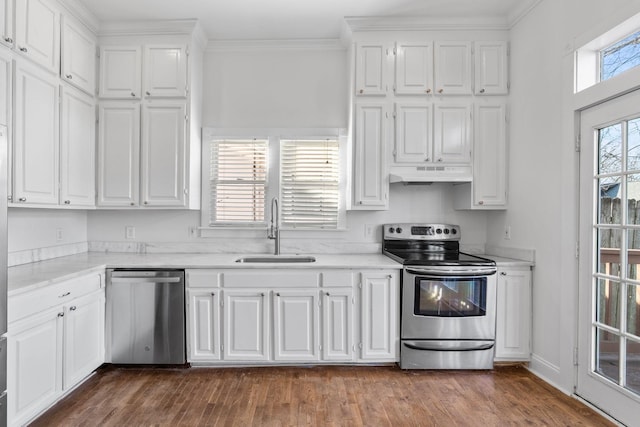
x=270 y=278
x=29 y=303
x=203 y=278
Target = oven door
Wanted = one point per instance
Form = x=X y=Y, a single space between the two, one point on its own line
x=448 y=305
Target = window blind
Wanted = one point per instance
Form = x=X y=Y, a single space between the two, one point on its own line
x=309 y=183
x=237 y=182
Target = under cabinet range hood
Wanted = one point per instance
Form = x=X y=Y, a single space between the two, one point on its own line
x=429 y=174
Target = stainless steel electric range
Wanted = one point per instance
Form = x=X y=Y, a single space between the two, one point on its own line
x=448 y=298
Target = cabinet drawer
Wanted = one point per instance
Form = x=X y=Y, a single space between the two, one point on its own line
x=203 y=278
x=29 y=303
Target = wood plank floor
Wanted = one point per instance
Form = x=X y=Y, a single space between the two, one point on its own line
x=317 y=396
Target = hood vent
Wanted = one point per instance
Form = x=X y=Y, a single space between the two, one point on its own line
x=430 y=174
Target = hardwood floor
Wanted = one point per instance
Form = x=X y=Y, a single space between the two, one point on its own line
x=326 y=396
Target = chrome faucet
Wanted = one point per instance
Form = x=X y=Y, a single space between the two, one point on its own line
x=274 y=229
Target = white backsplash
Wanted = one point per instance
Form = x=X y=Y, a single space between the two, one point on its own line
x=42 y=254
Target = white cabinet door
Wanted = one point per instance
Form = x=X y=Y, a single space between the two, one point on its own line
x=337 y=324
x=491 y=68
x=34 y=365
x=413 y=133
x=453 y=68
x=489 y=157
x=6 y=22
x=371 y=180
x=246 y=325
x=163 y=154
x=451 y=142
x=78 y=56
x=36 y=133
x=372 y=68
x=380 y=317
x=204 y=324
x=513 y=317
x=84 y=325
x=6 y=87
x=119 y=154
x=38 y=32
x=296 y=325
x=120 y=72
x=77 y=153
x=165 y=71
x=414 y=68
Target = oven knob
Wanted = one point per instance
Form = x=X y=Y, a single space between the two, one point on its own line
x=446 y=231
x=438 y=231
x=454 y=231
x=391 y=229
x=399 y=230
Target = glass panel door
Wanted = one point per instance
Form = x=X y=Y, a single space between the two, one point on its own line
x=609 y=287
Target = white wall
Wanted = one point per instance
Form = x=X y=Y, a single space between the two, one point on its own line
x=543 y=165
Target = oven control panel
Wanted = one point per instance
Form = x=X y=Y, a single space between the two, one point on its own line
x=410 y=231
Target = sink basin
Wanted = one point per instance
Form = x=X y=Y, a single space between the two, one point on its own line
x=277 y=259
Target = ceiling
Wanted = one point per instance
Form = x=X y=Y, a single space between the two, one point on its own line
x=296 y=19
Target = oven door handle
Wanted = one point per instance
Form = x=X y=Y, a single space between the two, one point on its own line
x=452 y=271
x=449 y=345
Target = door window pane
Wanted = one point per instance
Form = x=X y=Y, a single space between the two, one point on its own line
x=633 y=310
x=633 y=366
x=610 y=149
x=609 y=208
x=608 y=305
x=633 y=145
x=609 y=255
x=608 y=355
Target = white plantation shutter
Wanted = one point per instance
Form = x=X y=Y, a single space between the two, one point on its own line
x=238 y=180
x=310 y=183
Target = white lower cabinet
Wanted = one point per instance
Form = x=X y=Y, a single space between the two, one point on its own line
x=52 y=350
x=513 y=317
x=306 y=316
x=379 y=340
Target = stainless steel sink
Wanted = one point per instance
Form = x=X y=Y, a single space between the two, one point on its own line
x=277 y=259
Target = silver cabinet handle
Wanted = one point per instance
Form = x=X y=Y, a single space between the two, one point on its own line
x=73 y=308
x=328 y=294
x=61 y=314
x=481 y=90
x=133 y=94
x=261 y=294
x=503 y=273
x=66 y=294
x=132 y=204
x=23 y=49
x=440 y=159
x=69 y=76
x=440 y=90
x=148 y=93
x=213 y=294
x=8 y=39
x=22 y=199
x=428 y=90
x=67 y=202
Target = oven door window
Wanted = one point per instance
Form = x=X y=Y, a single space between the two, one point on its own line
x=450 y=297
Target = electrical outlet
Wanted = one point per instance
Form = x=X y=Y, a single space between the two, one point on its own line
x=129 y=232
x=59 y=234
x=368 y=230
x=507 y=232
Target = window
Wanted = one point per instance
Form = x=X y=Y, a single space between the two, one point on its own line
x=237 y=181
x=310 y=183
x=242 y=175
x=620 y=56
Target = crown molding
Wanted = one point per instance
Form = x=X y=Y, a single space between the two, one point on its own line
x=78 y=10
x=423 y=23
x=150 y=28
x=522 y=10
x=274 y=45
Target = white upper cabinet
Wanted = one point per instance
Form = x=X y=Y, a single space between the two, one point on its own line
x=165 y=71
x=452 y=130
x=371 y=180
x=120 y=72
x=36 y=143
x=453 y=68
x=414 y=68
x=37 y=32
x=413 y=133
x=78 y=56
x=372 y=68
x=119 y=154
x=6 y=22
x=163 y=152
x=77 y=153
x=491 y=68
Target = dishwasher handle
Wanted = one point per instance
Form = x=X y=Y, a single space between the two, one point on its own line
x=157 y=279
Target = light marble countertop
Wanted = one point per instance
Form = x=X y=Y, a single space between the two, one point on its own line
x=508 y=262
x=23 y=278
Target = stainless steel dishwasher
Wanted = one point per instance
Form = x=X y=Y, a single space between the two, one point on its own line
x=146 y=316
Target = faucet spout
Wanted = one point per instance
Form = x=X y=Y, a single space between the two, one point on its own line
x=274 y=229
